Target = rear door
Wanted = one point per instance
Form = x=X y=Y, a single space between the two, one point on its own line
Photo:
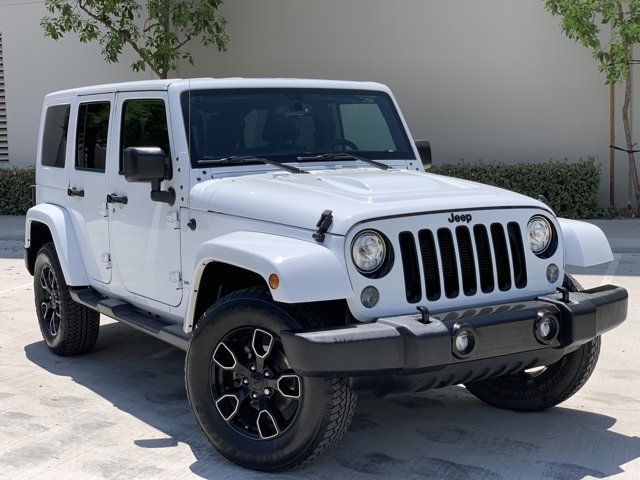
x=89 y=184
x=145 y=237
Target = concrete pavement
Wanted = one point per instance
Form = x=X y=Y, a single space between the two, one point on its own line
x=121 y=412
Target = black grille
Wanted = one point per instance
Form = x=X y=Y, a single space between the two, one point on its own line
x=485 y=265
x=467 y=262
x=449 y=264
x=410 y=267
x=485 y=259
x=430 y=265
x=501 y=256
x=517 y=252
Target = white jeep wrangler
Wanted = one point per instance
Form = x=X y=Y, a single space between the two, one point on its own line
x=284 y=233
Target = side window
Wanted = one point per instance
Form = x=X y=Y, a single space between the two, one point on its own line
x=54 y=136
x=92 y=136
x=365 y=125
x=144 y=124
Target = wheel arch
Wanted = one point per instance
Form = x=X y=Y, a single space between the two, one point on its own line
x=45 y=223
x=585 y=244
x=307 y=272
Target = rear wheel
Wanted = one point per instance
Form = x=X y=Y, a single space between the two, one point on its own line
x=543 y=387
x=250 y=404
x=67 y=327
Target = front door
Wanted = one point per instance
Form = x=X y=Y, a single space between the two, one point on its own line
x=88 y=182
x=145 y=236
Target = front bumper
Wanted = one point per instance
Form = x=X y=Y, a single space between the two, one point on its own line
x=505 y=336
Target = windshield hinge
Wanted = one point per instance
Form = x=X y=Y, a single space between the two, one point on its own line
x=106 y=260
x=326 y=219
x=173 y=220
x=176 y=277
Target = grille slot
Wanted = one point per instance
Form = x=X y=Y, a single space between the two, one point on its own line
x=517 y=253
x=463 y=260
x=467 y=261
x=485 y=264
x=410 y=267
x=501 y=256
x=430 y=265
x=449 y=263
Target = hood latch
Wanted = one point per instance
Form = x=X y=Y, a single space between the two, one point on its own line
x=326 y=219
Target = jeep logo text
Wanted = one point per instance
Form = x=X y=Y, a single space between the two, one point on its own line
x=466 y=217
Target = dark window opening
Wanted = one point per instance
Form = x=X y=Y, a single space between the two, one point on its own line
x=287 y=123
x=144 y=124
x=92 y=136
x=54 y=136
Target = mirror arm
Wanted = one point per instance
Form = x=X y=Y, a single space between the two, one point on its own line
x=159 y=195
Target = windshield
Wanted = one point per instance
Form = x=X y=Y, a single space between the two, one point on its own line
x=288 y=123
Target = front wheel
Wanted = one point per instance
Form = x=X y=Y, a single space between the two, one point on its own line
x=543 y=387
x=250 y=404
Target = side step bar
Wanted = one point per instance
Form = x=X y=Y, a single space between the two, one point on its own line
x=126 y=313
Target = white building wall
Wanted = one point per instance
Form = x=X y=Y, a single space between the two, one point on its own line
x=492 y=79
x=35 y=66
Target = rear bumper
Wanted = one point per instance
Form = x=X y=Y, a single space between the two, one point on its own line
x=505 y=339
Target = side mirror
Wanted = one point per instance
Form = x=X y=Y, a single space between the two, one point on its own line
x=149 y=164
x=144 y=164
x=424 y=150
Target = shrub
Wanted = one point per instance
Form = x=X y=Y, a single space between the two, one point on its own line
x=571 y=188
x=15 y=195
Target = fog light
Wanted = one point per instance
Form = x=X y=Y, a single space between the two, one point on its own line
x=464 y=340
x=546 y=328
x=553 y=272
x=369 y=296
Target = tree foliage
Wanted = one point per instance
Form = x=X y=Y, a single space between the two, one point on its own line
x=157 y=30
x=610 y=29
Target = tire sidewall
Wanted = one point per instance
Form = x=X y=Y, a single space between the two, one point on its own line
x=47 y=257
x=273 y=454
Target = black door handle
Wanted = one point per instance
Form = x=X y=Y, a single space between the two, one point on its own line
x=75 y=192
x=111 y=198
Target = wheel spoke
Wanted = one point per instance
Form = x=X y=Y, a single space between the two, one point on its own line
x=228 y=405
x=43 y=282
x=289 y=386
x=51 y=280
x=44 y=307
x=224 y=357
x=267 y=426
x=53 y=329
x=261 y=343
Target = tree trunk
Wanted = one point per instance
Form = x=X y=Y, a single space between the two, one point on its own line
x=633 y=171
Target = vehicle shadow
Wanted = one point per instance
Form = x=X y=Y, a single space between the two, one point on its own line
x=444 y=434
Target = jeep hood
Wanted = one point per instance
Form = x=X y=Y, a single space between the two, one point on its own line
x=353 y=195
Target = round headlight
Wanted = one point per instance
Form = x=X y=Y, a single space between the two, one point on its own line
x=368 y=251
x=540 y=234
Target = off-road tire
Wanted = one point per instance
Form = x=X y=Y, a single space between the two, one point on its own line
x=524 y=391
x=327 y=404
x=558 y=382
x=78 y=326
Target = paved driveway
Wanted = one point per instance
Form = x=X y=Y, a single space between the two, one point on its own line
x=121 y=412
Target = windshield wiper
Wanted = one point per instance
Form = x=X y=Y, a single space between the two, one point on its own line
x=343 y=156
x=240 y=159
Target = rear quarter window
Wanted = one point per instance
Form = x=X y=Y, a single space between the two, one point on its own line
x=54 y=136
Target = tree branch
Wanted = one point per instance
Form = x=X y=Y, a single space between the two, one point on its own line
x=122 y=34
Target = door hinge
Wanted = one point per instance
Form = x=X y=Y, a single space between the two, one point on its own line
x=173 y=220
x=176 y=277
x=106 y=259
x=104 y=209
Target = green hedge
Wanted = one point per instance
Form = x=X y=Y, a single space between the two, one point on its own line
x=15 y=195
x=571 y=188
